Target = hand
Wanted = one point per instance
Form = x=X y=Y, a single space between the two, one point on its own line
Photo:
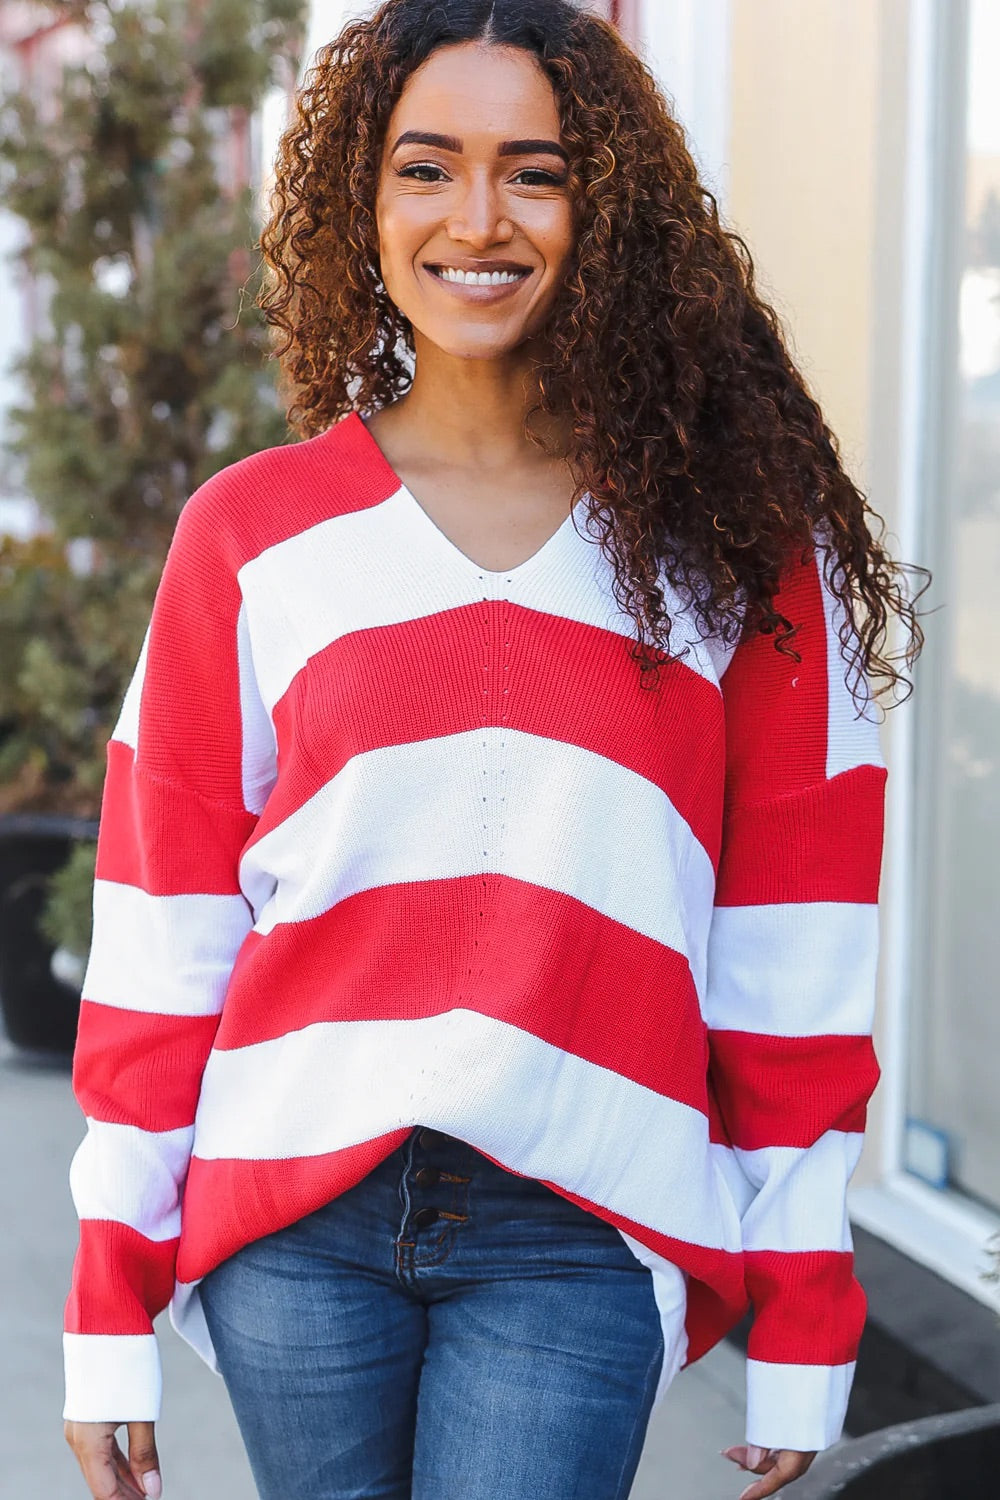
x=778 y=1465
x=109 y=1474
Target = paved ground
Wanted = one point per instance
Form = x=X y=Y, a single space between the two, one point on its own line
x=200 y=1450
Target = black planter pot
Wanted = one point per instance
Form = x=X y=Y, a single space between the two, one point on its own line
x=39 y=1011
x=937 y=1458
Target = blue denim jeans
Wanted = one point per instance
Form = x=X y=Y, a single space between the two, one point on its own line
x=444 y=1330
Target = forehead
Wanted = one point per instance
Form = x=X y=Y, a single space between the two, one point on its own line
x=478 y=93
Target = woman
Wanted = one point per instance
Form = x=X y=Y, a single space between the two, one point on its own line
x=485 y=923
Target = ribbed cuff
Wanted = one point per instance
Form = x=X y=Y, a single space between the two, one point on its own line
x=801 y=1407
x=112 y=1377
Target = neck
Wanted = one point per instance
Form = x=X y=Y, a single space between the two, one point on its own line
x=476 y=408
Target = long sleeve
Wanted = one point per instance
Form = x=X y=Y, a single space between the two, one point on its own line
x=790 y=1000
x=188 y=766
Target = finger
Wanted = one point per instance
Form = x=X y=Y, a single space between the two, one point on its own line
x=91 y=1445
x=143 y=1460
x=101 y=1461
x=127 y=1485
x=750 y=1457
x=102 y=1477
x=787 y=1466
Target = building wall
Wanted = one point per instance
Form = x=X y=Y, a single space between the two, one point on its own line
x=802 y=188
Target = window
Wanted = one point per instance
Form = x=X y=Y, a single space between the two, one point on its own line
x=938 y=1194
x=953 y=1128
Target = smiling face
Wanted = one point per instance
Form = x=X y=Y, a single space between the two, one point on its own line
x=474 y=211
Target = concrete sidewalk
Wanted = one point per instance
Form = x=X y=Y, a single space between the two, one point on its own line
x=200 y=1448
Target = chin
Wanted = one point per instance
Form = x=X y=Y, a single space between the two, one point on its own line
x=483 y=346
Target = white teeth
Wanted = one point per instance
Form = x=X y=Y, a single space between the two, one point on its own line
x=479 y=278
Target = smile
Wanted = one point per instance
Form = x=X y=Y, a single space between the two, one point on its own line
x=478 y=278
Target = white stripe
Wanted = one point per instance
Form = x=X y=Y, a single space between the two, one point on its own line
x=168 y=955
x=187 y=1317
x=573 y=821
x=112 y=1377
x=522 y=1100
x=801 y=1407
x=741 y=1189
x=382 y=565
x=259 y=751
x=800 y=1201
x=131 y=1176
x=852 y=740
x=670 y=1294
x=798 y=968
x=126 y=729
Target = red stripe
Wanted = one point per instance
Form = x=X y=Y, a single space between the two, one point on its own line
x=673 y=738
x=133 y=1068
x=718 y=1132
x=335 y=473
x=710 y=1315
x=230 y=1203
x=605 y=992
x=788 y=1091
x=822 y=844
x=777 y=708
x=121 y=1280
x=163 y=838
x=193 y=655
x=192 y=662
x=808 y=1307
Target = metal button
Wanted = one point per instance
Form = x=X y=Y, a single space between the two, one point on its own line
x=423 y=1217
x=428 y=1177
x=430 y=1138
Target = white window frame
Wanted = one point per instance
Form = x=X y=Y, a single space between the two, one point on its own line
x=939 y=1228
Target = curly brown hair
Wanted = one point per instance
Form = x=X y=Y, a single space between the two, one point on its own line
x=704 y=455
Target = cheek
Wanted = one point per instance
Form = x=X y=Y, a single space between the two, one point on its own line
x=555 y=238
x=401 y=232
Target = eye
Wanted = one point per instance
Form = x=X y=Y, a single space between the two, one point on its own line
x=541 y=178
x=418 y=167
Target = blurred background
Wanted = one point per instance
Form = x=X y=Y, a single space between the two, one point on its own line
x=855 y=145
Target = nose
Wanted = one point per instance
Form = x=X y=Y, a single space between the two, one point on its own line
x=480 y=220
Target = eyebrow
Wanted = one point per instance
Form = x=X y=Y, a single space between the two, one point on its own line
x=506 y=148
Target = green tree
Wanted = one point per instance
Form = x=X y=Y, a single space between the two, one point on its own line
x=150 y=375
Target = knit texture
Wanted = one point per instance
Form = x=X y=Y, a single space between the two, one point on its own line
x=390 y=839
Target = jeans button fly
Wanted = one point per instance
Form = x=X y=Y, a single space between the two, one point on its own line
x=428 y=1177
x=423 y=1217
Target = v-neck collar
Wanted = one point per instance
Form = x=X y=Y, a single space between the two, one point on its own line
x=462 y=558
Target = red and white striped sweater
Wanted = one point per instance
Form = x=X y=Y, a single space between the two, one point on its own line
x=389 y=839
